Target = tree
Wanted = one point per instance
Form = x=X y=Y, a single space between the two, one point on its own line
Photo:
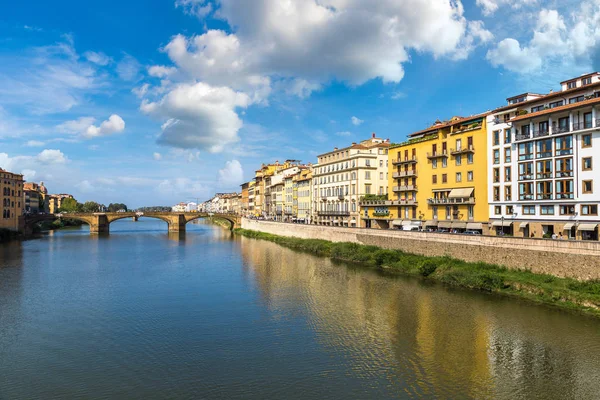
x=114 y=207
x=70 y=205
x=90 y=207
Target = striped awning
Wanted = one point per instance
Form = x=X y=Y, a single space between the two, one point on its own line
x=501 y=223
x=568 y=226
x=397 y=222
x=459 y=225
x=433 y=222
x=444 y=224
x=474 y=226
x=523 y=225
x=460 y=193
x=586 y=227
x=406 y=222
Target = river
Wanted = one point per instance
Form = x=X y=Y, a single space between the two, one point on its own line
x=142 y=314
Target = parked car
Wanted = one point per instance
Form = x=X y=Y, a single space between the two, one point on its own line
x=471 y=233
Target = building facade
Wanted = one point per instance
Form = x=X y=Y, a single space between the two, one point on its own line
x=11 y=204
x=343 y=176
x=544 y=163
x=303 y=195
x=438 y=178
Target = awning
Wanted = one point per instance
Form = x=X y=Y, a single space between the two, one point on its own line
x=523 y=225
x=459 y=225
x=474 y=226
x=444 y=224
x=568 y=226
x=433 y=222
x=397 y=222
x=500 y=223
x=460 y=193
x=586 y=227
x=406 y=222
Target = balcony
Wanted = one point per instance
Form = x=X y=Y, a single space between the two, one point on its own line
x=381 y=214
x=579 y=126
x=405 y=188
x=526 y=177
x=448 y=200
x=522 y=136
x=561 y=129
x=564 y=174
x=544 y=175
x=526 y=196
x=437 y=154
x=404 y=174
x=406 y=202
x=564 y=196
x=404 y=161
x=463 y=150
x=544 y=196
x=334 y=213
x=537 y=133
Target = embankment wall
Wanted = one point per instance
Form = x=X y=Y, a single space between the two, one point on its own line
x=562 y=258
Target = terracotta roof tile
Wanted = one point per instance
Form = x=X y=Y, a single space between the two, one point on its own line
x=595 y=100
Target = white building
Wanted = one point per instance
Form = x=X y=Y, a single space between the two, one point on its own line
x=341 y=177
x=191 y=207
x=181 y=207
x=542 y=166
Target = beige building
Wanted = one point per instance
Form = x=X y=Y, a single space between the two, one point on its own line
x=341 y=177
x=55 y=201
x=302 y=195
x=12 y=200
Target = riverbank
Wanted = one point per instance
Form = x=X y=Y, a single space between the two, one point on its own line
x=6 y=235
x=565 y=293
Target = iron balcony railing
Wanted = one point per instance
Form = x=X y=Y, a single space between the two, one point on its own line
x=404 y=161
x=540 y=132
x=544 y=196
x=526 y=196
x=404 y=174
x=437 y=154
x=564 y=196
x=334 y=213
x=448 y=200
x=405 y=188
x=462 y=150
x=564 y=174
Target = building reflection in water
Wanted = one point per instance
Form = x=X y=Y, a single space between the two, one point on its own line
x=427 y=340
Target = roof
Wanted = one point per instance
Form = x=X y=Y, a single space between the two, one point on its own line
x=561 y=93
x=457 y=121
x=580 y=77
x=595 y=100
x=524 y=94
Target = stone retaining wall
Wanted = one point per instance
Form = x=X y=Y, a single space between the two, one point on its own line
x=575 y=259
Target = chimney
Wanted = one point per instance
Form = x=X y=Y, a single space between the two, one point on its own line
x=353 y=143
x=335 y=149
x=373 y=135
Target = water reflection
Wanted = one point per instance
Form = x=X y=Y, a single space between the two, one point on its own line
x=429 y=341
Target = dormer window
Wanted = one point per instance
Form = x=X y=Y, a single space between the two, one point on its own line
x=586 y=81
x=571 y=85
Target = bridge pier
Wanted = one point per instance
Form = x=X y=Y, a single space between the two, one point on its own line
x=177 y=223
x=135 y=218
x=99 y=224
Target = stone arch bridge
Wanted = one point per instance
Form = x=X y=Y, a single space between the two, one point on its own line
x=100 y=222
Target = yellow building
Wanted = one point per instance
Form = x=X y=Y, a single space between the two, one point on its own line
x=303 y=195
x=11 y=199
x=438 y=178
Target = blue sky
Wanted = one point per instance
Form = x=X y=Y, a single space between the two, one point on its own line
x=155 y=102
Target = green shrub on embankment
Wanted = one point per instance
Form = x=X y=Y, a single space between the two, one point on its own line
x=547 y=289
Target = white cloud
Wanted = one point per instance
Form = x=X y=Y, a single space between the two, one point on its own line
x=231 y=176
x=141 y=91
x=558 y=43
x=34 y=143
x=50 y=156
x=488 y=7
x=157 y=156
x=76 y=126
x=128 y=68
x=183 y=187
x=97 y=58
x=199 y=116
x=28 y=174
x=344 y=133
x=199 y=8
x=160 y=71
x=356 y=121
x=114 y=124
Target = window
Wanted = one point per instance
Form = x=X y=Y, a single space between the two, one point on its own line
x=507 y=154
x=433 y=163
x=529 y=210
x=544 y=148
x=507 y=136
x=458 y=144
x=496 y=193
x=509 y=209
x=434 y=179
x=589 y=209
x=458 y=159
x=507 y=174
x=544 y=169
x=566 y=209
x=496 y=138
x=571 y=85
x=435 y=212
x=574 y=100
x=525 y=151
x=546 y=210
x=564 y=189
x=381 y=175
x=544 y=190
x=496 y=156
x=564 y=145
x=444 y=178
x=444 y=162
x=525 y=171
x=587 y=163
x=586 y=140
x=497 y=210
x=587 y=187
x=564 y=167
x=586 y=81
x=381 y=163
x=367 y=175
x=470 y=176
x=458 y=177
x=507 y=193
x=496 y=175
x=556 y=104
x=470 y=158
x=368 y=163
x=367 y=189
x=563 y=125
x=526 y=191
x=506 y=117
x=536 y=109
x=587 y=120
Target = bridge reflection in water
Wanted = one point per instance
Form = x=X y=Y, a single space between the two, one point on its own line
x=100 y=222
